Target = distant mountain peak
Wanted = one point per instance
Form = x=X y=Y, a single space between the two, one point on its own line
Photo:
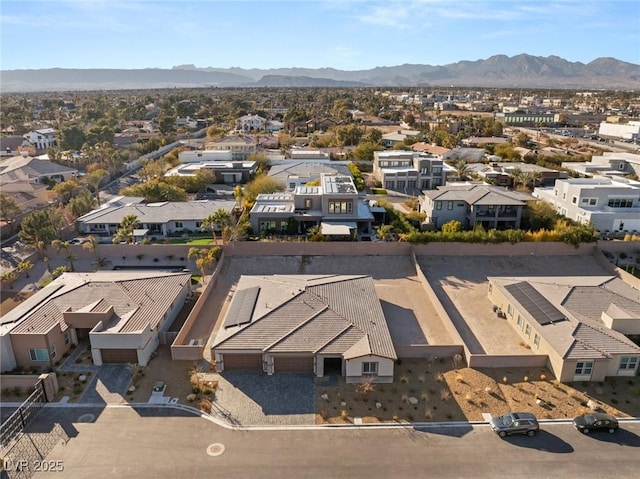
x=496 y=71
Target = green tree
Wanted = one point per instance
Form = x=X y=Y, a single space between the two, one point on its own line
x=462 y=170
x=91 y=245
x=71 y=137
x=81 y=204
x=9 y=208
x=40 y=227
x=259 y=185
x=156 y=190
x=539 y=215
x=66 y=190
x=167 y=124
x=364 y=151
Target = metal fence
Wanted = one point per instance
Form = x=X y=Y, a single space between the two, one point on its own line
x=27 y=454
x=25 y=413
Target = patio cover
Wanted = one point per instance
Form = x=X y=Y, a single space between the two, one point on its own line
x=337 y=229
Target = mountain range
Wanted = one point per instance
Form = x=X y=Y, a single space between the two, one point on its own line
x=497 y=71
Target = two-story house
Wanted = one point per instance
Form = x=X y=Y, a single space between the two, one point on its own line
x=42 y=139
x=334 y=206
x=240 y=146
x=250 y=123
x=609 y=204
x=408 y=171
x=491 y=207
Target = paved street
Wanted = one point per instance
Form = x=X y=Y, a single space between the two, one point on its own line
x=162 y=442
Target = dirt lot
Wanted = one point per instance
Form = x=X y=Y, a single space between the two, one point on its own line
x=444 y=393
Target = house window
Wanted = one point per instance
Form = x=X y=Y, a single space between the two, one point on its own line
x=620 y=203
x=292 y=186
x=52 y=350
x=449 y=205
x=67 y=339
x=584 y=368
x=510 y=310
x=389 y=184
x=401 y=184
x=370 y=368
x=574 y=200
x=179 y=224
x=307 y=203
x=628 y=363
x=438 y=205
x=527 y=330
x=198 y=224
x=38 y=355
x=340 y=207
x=536 y=340
x=411 y=183
x=519 y=321
x=267 y=226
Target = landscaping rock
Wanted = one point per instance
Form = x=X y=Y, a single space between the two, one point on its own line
x=82 y=378
x=191 y=397
x=131 y=389
x=343 y=404
x=324 y=396
x=378 y=405
x=594 y=406
x=413 y=401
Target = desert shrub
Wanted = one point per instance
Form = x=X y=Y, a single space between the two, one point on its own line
x=460 y=379
x=445 y=395
x=421 y=378
x=343 y=414
x=505 y=379
x=404 y=379
x=205 y=405
x=428 y=416
x=440 y=377
x=543 y=377
x=77 y=388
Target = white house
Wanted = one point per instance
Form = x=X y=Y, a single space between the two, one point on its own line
x=42 y=139
x=610 y=204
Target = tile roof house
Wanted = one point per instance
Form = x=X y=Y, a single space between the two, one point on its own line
x=473 y=204
x=581 y=323
x=33 y=170
x=121 y=313
x=328 y=324
x=162 y=219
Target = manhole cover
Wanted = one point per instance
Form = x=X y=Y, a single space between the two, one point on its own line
x=87 y=418
x=215 y=449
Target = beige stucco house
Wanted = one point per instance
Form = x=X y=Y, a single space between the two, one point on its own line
x=121 y=314
x=328 y=324
x=580 y=323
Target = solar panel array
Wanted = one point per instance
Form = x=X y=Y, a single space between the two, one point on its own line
x=242 y=306
x=536 y=305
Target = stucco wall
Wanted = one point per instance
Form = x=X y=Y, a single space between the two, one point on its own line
x=353 y=370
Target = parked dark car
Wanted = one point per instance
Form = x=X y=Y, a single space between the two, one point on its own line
x=515 y=423
x=595 y=421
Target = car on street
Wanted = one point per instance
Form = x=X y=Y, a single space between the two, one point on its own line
x=515 y=423
x=595 y=421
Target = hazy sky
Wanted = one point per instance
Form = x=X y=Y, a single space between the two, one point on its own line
x=344 y=34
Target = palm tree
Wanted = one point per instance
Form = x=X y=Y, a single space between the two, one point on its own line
x=462 y=169
x=91 y=245
x=125 y=231
x=101 y=263
x=204 y=258
x=94 y=179
x=217 y=221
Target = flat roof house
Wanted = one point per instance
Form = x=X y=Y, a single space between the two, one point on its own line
x=610 y=204
x=121 y=314
x=329 y=324
x=408 y=171
x=335 y=206
x=580 y=323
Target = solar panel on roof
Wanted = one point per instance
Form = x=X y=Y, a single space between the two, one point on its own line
x=242 y=307
x=536 y=305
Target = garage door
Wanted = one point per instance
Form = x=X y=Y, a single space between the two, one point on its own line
x=119 y=356
x=287 y=364
x=242 y=361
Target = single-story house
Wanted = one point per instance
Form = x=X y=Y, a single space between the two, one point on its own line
x=165 y=218
x=581 y=323
x=121 y=313
x=324 y=324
